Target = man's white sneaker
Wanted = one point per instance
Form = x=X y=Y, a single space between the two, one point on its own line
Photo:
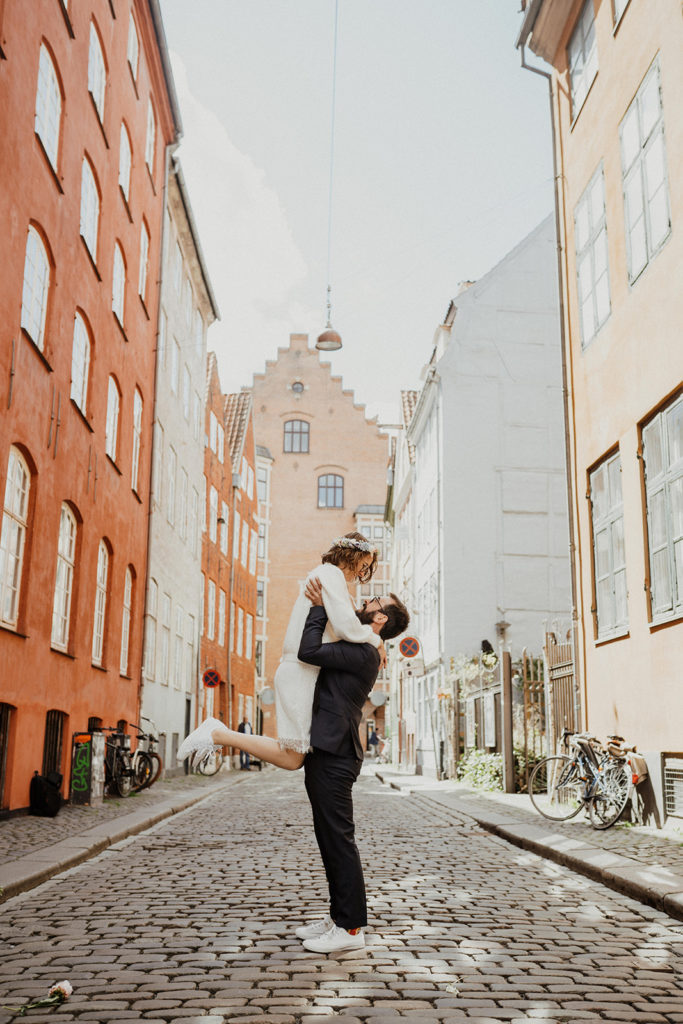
x=315 y=928
x=335 y=940
x=199 y=740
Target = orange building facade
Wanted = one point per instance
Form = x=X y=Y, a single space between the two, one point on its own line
x=617 y=90
x=87 y=110
x=322 y=473
x=229 y=554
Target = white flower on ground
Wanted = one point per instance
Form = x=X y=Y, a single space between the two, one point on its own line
x=63 y=988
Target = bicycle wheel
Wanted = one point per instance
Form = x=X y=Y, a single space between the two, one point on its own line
x=555 y=788
x=611 y=795
x=122 y=773
x=143 y=769
x=210 y=763
x=157 y=765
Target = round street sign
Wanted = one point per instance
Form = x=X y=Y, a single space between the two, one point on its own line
x=211 y=677
x=409 y=646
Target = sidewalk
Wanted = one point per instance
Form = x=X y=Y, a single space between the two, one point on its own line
x=644 y=863
x=33 y=849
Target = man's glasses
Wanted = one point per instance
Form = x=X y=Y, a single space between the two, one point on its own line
x=371 y=600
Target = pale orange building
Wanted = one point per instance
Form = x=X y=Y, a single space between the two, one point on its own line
x=323 y=465
x=617 y=90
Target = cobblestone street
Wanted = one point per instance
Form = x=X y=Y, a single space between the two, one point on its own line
x=196 y=918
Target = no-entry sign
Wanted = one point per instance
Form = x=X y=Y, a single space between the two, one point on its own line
x=211 y=677
x=409 y=646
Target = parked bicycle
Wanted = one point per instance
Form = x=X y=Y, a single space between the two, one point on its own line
x=209 y=763
x=146 y=762
x=589 y=776
x=118 y=768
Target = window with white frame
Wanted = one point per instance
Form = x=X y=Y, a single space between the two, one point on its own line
x=178 y=649
x=609 y=559
x=182 y=505
x=262 y=483
x=240 y=631
x=35 y=290
x=125 y=621
x=253 y=544
x=170 y=494
x=189 y=648
x=144 y=259
x=196 y=416
x=66 y=560
x=161 y=344
x=258 y=658
x=165 y=639
x=100 y=603
x=90 y=208
x=221 y=618
x=663 y=466
x=211 y=612
x=118 y=289
x=245 y=543
x=158 y=462
x=48 y=106
x=204 y=497
x=213 y=432
x=151 y=628
x=201 y=605
x=80 y=363
x=97 y=75
x=583 y=56
x=13 y=536
x=260 y=596
x=194 y=517
x=175 y=366
x=643 y=160
x=296 y=436
x=224 y=528
x=249 y=637
x=330 y=491
x=592 y=270
x=213 y=513
x=232 y=626
x=198 y=334
x=186 y=393
x=137 y=439
x=151 y=134
x=261 y=540
x=236 y=536
x=112 y=425
x=220 y=452
x=125 y=159
x=133 y=47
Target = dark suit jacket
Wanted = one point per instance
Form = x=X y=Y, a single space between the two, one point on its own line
x=348 y=673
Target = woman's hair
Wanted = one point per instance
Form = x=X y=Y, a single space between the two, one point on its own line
x=348 y=556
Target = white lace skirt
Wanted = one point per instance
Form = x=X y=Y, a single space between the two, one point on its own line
x=294 y=689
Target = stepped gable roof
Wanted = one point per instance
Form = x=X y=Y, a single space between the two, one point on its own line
x=237 y=409
x=408 y=405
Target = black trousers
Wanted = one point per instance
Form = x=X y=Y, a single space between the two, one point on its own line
x=329 y=781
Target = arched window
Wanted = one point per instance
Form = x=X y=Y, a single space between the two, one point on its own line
x=151 y=136
x=125 y=621
x=112 y=427
x=90 y=208
x=118 y=289
x=151 y=628
x=125 y=162
x=97 y=75
x=66 y=560
x=13 y=536
x=36 y=286
x=297 y=434
x=133 y=47
x=48 y=106
x=330 y=491
x=100 y=603
x=80 y=363
x=137 y=438
x=144 y=256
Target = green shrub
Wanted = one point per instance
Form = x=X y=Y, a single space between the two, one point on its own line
x=481 y=770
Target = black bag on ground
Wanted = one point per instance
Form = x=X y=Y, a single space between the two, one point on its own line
x=44 y=796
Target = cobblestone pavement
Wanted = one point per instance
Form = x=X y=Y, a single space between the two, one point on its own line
x=195 y=919
x=24 y=833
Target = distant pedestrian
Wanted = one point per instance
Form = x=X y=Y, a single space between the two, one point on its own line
x=244 y=726
x=373 y=743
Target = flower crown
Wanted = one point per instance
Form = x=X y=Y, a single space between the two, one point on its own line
x=358 y=545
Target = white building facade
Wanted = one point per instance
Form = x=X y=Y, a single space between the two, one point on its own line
x=173 y=595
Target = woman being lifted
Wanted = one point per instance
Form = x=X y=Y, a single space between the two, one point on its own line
x=351 y=558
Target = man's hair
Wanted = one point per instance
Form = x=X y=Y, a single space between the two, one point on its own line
x=398 y=618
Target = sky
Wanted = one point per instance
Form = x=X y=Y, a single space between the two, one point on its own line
x=442 y=164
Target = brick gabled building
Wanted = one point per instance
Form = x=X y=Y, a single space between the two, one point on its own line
x=87 y=109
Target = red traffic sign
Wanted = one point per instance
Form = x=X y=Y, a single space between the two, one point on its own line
x=409 y=646
x=211 y=677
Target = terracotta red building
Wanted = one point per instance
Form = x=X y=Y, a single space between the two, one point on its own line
x=229 y=545
x=87 y=109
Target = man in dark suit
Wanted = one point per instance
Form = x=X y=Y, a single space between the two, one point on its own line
x=348 y=673
x=244 y=726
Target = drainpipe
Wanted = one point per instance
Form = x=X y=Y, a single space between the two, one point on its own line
x=565 y=389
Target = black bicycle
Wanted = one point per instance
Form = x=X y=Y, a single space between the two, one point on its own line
x=118 y=768
x=146 y=762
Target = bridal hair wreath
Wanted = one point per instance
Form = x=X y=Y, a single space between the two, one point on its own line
x=351 y=542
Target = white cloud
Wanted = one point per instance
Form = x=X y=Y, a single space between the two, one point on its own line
x=252 y=259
